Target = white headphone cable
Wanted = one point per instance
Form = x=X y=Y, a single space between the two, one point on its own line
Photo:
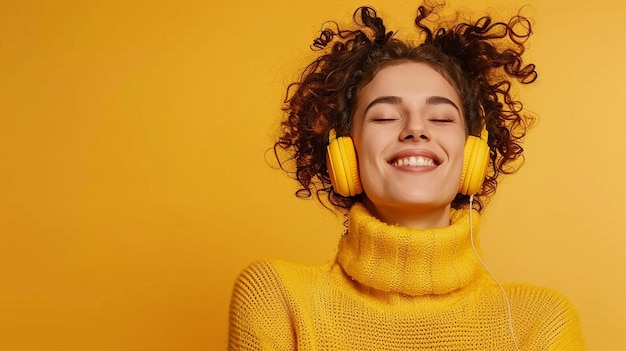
x=506 y=299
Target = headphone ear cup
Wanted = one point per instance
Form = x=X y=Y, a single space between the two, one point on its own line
x=475 y=161
x=343 y=167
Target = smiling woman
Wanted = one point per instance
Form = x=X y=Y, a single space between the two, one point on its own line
x=400 y=137
x=409 y=134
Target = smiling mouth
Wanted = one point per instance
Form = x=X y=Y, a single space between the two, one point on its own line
x=416 y=161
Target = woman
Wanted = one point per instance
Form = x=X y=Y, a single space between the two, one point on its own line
x=431 y=126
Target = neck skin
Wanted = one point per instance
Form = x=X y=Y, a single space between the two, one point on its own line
x=411 y=217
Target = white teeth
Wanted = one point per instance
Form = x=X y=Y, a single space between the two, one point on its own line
x=414 y=161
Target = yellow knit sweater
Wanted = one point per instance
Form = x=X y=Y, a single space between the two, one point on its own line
x=393 y=288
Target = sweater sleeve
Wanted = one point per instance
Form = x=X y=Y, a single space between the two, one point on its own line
x=259 y=317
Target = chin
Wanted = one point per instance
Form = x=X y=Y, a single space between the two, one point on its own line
x=423 y=199
x=417 y=203
x=421 y=206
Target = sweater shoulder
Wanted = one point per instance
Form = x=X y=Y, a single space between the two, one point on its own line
x=261 y=305
x=274 y=271
x=540 y=297
x=272 y=279
x=549 y=317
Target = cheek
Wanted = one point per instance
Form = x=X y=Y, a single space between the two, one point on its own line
x=364 y=156
x=363 y=149
x=457 y=156
x=458 y=142
x=460 y=153
x=368 y=157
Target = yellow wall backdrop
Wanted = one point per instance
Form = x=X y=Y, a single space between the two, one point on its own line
x=134 y=184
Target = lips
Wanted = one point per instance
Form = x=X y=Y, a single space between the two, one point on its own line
x=415 y=158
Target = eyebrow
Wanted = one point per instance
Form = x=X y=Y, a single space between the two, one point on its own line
x=438 y=100
x=394 y=100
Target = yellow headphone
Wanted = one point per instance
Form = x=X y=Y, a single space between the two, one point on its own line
x=343 y=166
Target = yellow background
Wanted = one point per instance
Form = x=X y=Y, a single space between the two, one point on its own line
x=134 y=184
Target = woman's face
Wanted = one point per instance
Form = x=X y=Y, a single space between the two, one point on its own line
x=409 y=135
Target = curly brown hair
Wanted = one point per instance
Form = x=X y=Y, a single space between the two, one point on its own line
x=480 y=59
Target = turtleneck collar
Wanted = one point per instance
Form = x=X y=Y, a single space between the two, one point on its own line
x=409 y=261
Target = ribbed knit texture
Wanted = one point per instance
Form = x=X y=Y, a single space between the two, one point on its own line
x=393 y=288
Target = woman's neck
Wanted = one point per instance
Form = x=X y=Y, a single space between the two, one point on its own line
x=417 y=216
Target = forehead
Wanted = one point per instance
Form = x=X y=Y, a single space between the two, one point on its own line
x=408 y=80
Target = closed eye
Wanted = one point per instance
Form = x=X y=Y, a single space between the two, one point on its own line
x=442 y=120
x=384 y=119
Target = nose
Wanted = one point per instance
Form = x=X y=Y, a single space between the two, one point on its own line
x=414 y=128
